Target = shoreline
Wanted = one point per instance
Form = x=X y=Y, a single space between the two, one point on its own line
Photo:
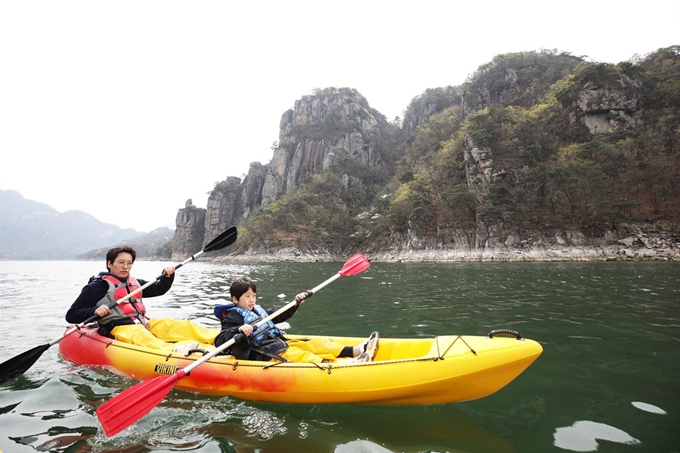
x=499 y=254
x=631 y=242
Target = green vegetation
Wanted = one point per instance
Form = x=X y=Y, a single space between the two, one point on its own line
x=510 y=147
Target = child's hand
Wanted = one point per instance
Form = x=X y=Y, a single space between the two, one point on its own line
x=301 y=297
x=246 y=329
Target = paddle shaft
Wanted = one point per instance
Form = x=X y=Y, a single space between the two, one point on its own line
x=226 y=238
x=121 y=300
x=21 y=363
x=257 y=325
x=131 y=405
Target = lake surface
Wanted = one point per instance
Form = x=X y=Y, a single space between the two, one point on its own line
x=608 y=380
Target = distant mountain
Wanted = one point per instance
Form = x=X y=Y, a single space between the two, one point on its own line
x=153 y=245
x=30 y=230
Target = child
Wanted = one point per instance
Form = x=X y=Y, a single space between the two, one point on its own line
x=269 y=343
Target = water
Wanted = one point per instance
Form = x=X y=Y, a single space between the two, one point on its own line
x=607 y=380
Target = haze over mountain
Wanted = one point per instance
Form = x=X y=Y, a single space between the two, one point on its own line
x=30 y=230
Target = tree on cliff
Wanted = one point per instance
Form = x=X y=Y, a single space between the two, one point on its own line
x=531 y=141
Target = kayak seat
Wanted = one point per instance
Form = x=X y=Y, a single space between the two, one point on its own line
x=404 y=349
x=220 y=311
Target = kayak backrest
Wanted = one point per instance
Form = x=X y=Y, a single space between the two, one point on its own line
x=222 y=310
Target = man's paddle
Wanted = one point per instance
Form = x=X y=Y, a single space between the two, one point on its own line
x=19 y=364
x=129 y=406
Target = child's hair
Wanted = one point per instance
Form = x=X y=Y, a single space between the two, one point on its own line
x=240 y=286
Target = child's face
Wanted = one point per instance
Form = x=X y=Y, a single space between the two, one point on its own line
x=247 y=300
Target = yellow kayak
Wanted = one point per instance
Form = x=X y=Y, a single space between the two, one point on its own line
x=443 y=369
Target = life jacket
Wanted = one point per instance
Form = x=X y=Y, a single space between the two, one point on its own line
x=253 y=316
x=132 y=308
x=267 y=340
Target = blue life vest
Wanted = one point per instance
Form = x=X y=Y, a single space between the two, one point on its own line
x=249 y=317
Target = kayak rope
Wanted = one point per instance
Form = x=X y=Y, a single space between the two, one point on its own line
x=273 y=364
x=82 y=333
x=458 y=337
x=328 y=367
x=166 y=356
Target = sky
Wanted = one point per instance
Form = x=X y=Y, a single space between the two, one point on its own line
x=127 y=109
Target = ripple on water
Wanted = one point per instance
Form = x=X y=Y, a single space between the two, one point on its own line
x=608 y=341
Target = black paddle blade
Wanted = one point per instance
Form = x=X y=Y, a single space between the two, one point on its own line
x=228 y=237
x=19 y=364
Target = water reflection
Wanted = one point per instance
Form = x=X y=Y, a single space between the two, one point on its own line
x=360 y=446
x=285 y=428
x=649 y=408
x=584 y=436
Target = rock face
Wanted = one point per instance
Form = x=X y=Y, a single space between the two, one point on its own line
x=253 y=184
x=314 y=133
x=422 y=107
x=629 y=242
x=492 y=92
x=189 y=231
x=334 y=123
x=515 y=79
x=224 y=208
x=333 y=126
x=606 y=107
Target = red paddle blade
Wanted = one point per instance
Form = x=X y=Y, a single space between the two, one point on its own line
x=134 y=403
x=355 y=265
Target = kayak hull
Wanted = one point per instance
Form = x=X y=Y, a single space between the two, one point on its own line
x=444 y=369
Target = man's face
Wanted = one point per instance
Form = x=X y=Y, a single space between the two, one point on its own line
x=121 y=266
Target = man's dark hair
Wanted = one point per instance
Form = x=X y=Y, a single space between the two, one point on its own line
x=113 y=253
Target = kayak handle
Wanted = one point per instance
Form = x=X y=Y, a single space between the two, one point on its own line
x=513 y=333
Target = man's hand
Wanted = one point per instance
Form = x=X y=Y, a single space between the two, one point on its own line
x=102 y=311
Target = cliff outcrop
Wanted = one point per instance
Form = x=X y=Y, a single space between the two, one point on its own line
x=189 y=231
x=314 y=134
x=610 y=106
x=537 y=156
x=323 y=131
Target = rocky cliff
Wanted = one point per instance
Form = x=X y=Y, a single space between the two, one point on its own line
x=321 y=129
x=553 y=101
x=315 y=132
x=635 y=242
x=189 y=231
x=609 y=106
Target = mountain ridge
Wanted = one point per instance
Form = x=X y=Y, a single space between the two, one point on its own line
x=32 y=230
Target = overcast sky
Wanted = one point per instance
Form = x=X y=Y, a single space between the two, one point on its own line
x=126 y=109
